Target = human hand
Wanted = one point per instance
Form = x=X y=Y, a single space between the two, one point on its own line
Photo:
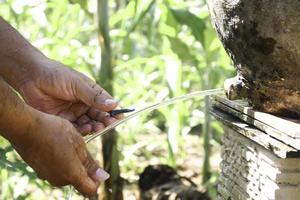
x=50 y=144
x=56 y=89
x=57 y=153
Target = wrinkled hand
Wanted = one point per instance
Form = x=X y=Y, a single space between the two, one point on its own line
x=59 y=90
x=57 y=153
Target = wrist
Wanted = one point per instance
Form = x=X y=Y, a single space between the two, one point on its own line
x=20 y=129
x=17 y=55
x=27 y=66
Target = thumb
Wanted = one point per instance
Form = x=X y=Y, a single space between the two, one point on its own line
x=90 y=166
x=93 y=170
x=87 y=181
x=95 y=96
x=85 y=185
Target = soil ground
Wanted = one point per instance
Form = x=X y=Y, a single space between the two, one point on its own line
x=189 y=165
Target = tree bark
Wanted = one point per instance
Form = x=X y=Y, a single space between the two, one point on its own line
x=262 y=38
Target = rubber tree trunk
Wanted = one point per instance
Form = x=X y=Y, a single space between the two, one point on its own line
x=113 y=187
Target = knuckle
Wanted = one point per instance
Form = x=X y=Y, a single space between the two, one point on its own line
x=98 y=93
x=79 y=143
x=90 y=165
x=80 y=148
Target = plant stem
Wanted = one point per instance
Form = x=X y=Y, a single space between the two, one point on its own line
x=113 y=187
x=206 y=129
x=206 y=141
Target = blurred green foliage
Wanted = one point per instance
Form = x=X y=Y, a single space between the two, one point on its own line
x=161 y=49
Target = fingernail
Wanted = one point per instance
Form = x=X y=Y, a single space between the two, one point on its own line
x=110 y=102
x=102 y=175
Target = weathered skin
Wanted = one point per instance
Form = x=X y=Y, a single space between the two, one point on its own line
x=263 y=39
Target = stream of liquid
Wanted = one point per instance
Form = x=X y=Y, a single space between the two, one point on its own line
x=155 y=106
x=150 y=108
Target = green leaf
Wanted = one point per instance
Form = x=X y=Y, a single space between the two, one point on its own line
x=83 y=4
x=182 y=50
x=196 y=24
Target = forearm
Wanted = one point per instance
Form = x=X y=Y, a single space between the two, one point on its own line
x=16 y=117
x=17 y=56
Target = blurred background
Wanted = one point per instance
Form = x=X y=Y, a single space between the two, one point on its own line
x=142 y=51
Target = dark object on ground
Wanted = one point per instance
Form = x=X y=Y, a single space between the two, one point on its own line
x=161 y=182
x=262 y=38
